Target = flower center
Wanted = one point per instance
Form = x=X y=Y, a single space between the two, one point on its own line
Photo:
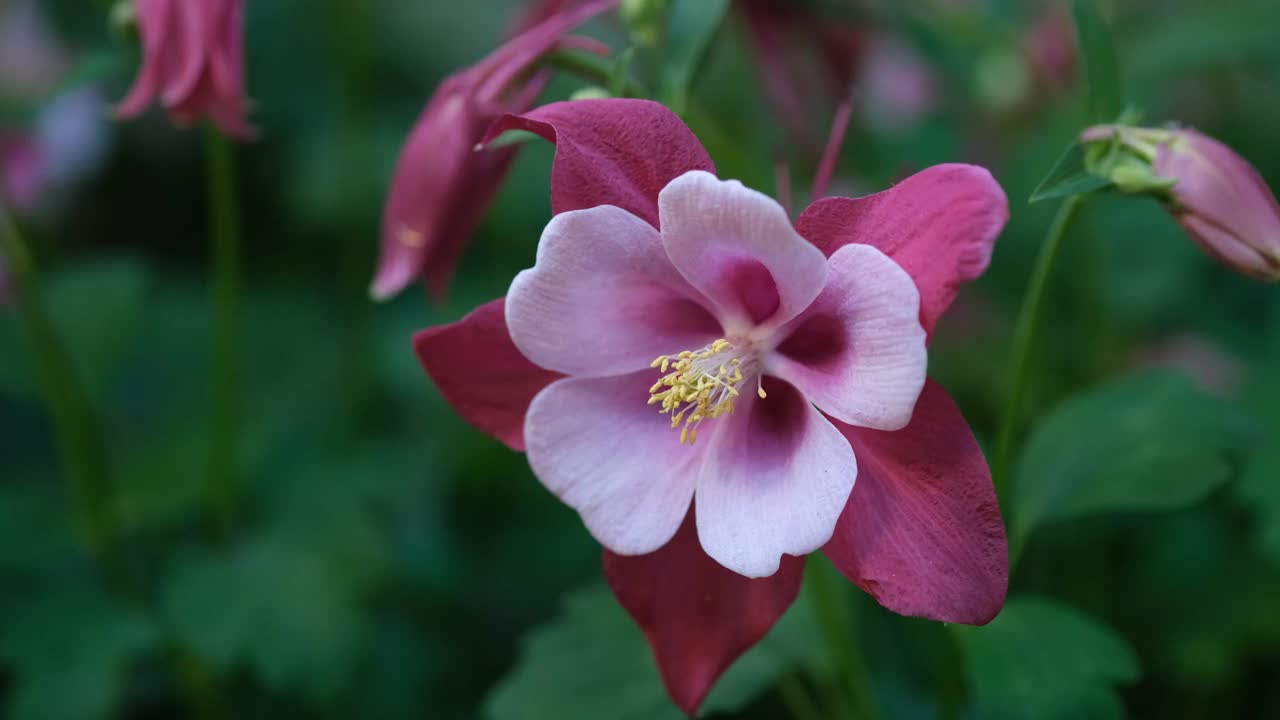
x=698 y=385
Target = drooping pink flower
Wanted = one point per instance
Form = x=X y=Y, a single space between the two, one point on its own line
x=796 y=354
x=192 y=64
x=1217 y=196
x=443 y=184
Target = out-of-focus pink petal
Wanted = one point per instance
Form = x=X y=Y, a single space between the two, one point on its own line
x=858 y=352
x=611 y=152
x=481 y=373
x=430 y=180
x=940 y=225
x=698 y=616
x=738 y=248
x=776 y=476
x=603 y=298
x=603 y=450
x=154 y=24
x=193 y=28
x=922 y=531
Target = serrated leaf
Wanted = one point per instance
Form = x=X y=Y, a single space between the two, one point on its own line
x=1068 y=177
x=593 y=662
x=690 y=26
x=1099 y=66
x=70 y=652
x=1152 y=442
x=272 y=605
x=1040 y=660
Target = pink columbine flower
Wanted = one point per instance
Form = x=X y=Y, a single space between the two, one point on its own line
x=443 y=184
x=193 y=63
x=719 y=392
x=1217 y=196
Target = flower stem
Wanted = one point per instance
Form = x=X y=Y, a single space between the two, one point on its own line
x=1023 y=338
x=837 y=616
x=77 y=434
x=224 y=224
x=796 y=697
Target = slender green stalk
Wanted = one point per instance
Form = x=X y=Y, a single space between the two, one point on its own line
x=1023 y=338
x=77 y=433
x=224 y=425
x=837 y=616
x=796 y=697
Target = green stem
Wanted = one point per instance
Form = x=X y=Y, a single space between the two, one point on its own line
x=81 y=451
x=797 y=699
x=224 y=224
x=837 y=616
x=1023 y=338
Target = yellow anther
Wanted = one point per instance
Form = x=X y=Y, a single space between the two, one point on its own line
x=702 y=385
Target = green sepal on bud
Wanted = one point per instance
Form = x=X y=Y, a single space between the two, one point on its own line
x=1126 y=156
x=646 y=21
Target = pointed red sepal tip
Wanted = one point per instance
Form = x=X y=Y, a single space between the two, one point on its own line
x=698 y=616
x=481 y=373
x=922 y=532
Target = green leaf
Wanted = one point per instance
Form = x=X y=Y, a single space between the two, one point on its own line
x=593 y=662
x=1153 y=442
x=1068 y=177
x=275 y=606
x=1195 y=39
x=95 y=309
x=1259 y=488
x=691 y=25
x=71 y=652
x=1099 y=65
x=1039 y=660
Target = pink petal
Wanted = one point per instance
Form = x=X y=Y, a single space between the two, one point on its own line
x=858 y=352
x=605 y=452
x=430 y=180
x=698 y=616
x=776 y=476
x=603 y=299
x=611 y=152
x=154 y=21
x=738 y=247
x=939 y=224
x=922 y=531
x=193 y=37
x=481 y=373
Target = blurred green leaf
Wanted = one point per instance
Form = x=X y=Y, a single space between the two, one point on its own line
x=690 y=26
x=1099 y=65
x=1068 y=177
x=1152 y=442
x=1259 y=488
x=1199 y=38
x=593 y=662
x=1039 y=660
x=95 y=309
x=274 y=605
x=71 y=652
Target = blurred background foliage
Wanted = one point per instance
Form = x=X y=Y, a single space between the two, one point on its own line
x=388 y=561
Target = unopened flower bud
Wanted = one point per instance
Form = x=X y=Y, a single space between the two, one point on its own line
x=1216 y=195
x=645 y=20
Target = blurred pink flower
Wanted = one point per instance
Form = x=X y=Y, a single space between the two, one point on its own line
x=443 y=184
x=897 y=87
x=1217 y=196
x=1050 y=46
x=193 y=63
x=797 y=355
x=22 y=170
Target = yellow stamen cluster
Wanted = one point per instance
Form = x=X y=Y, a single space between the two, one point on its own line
x=697 y=386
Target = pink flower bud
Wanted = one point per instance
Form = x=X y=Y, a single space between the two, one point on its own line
x=192 y=63
x=1223 y=203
